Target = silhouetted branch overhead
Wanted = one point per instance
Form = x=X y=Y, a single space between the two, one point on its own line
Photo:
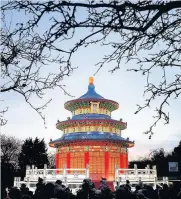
x=3 y=121
x=146 y=31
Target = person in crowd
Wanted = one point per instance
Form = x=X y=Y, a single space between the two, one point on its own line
x=128 y=185
x=84 y=192
x=39 y=188
x=24 y=190
x=106 y=193
x=58 y=187
x=91 y=184
x=15 y=193
x=157 y=191
x=121 y=192
x=174 y=190
x=103 y=184
x=88 y=191
x=137 y=188
x=117 y=186
x=47 y=192
x=164 y=193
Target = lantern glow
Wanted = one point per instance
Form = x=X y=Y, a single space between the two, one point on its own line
x=91 y=137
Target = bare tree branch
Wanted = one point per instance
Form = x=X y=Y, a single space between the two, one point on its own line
x=3 y=121
x=146 y=31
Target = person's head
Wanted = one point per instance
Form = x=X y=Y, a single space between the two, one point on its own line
x=63 y=186
x=127 y=182
x=165 y=187
x=121 y=186
x=67 y=189
x=59 y=182
x=23 y=186
x=40 y=180
x=86 y=181
x=91 y=185
x=157 y=187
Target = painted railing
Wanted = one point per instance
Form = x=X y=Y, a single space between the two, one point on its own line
x=67 y=176
x=136 y=176
x=75 y=176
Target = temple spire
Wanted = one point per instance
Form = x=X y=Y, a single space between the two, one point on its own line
x=91 y=86
x=91 y=80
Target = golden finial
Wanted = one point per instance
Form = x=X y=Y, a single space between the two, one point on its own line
x=91 y=80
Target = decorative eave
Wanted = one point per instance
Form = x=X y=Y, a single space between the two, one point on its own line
x=97 y=122
x=87 y=142
x=72 y=105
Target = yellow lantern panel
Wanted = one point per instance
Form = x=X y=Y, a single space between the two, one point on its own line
x=93 y=109
x=92 y=128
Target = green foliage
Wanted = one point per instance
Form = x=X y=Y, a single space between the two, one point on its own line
x=177 y=151
x=10 y=149
x=33 y=152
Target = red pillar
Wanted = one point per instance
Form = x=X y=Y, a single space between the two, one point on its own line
x=126 y=160
x=86 y=158
x=107 y=165
x=121 y=161
x=68 y=161
x=57 y=160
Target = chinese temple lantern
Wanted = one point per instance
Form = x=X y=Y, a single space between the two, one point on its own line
x=91 y=137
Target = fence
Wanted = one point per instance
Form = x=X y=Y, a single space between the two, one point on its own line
x=136 y=176
x=67 y=176
x=75 y=176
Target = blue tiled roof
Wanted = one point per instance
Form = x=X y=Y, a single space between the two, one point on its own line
x=90 y=116
x=91 y=93
x=93 y=135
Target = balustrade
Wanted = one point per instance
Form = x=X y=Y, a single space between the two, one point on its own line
x=76 y=175
x=135 y=175
x=65 y=174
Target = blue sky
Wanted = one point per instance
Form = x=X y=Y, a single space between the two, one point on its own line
x=124 y=87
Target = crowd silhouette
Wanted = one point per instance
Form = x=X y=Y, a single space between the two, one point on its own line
x=88 y=191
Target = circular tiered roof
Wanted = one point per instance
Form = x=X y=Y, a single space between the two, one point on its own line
x=72 y=123
x=91 y=119
x=91 y=95
x=91 y=136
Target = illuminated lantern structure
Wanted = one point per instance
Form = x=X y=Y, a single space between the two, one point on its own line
x=91 y=137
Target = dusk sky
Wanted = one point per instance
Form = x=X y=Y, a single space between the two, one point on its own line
x=124 y=87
